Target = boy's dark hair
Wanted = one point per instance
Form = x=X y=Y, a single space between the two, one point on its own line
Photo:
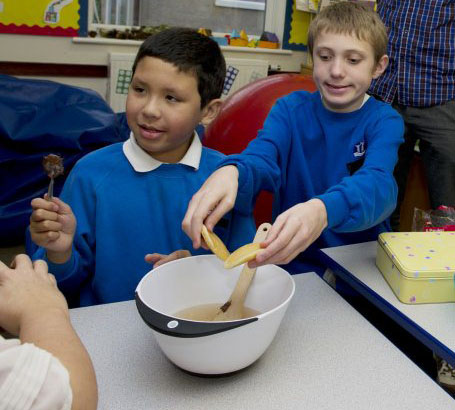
x=353 y=19
x=190 y=52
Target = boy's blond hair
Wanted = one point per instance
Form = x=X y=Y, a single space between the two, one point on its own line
x=353 y=19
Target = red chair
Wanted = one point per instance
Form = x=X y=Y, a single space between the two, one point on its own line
x=242 y=116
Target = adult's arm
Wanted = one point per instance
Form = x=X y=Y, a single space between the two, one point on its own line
x=32 y=307
x=53 y=332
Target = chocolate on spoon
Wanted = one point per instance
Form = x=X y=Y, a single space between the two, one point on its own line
x=53 y=165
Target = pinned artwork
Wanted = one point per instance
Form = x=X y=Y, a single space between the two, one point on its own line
x=231 y=74
x=123 y=81
x=48 y=17
x=53 y=11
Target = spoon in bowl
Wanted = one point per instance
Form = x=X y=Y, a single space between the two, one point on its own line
x=233 y=309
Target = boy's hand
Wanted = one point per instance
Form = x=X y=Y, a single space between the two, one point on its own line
x=293 y=231
x=159 y=259
x=215 y=198
x=52 y=226
x=27 y=291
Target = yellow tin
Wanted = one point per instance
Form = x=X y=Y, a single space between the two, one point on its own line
x=418 y=266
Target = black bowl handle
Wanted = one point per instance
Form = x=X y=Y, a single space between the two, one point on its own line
x=184 y=328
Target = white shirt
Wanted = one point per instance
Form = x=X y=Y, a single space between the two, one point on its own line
x=31 y=378
x=142 y=161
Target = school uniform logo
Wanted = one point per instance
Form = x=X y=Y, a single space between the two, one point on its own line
x=359 y=149
x=359 y=155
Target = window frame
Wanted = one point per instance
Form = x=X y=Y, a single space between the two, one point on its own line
x=275 y=13
x=241 y=4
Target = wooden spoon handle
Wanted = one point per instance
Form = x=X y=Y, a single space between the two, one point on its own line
x=247 y=274
x=262 y=232
x=233 y=308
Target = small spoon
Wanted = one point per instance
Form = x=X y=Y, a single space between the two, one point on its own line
x=233 y=309
x=53 y=165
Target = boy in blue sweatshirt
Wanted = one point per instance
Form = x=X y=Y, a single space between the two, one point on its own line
x=327 y=156
x=129 y=198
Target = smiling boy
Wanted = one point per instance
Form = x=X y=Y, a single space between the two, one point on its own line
x=343 y=69
x=129 y=198
x=327 y=156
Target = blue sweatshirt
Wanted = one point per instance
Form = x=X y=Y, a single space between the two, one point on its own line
x=123 y=214
x=305 y=151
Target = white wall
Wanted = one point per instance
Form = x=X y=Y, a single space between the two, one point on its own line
x=66 y=50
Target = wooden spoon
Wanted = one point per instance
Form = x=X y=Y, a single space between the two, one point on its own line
x=233 y=309
x=214 y=243
x=242 y=255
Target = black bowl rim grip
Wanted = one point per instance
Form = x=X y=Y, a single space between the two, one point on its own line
x=176 y=327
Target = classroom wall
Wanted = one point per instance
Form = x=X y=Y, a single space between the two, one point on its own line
x=81 y=52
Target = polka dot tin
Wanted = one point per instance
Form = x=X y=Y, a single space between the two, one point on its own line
x=418 y=266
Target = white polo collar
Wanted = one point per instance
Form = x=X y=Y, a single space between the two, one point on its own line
x=142 y=161
x=365 y=99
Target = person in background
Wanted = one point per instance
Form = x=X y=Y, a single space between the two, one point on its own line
x=420 y=83
x=129 y=198
x=327 y=156
x=48 y=366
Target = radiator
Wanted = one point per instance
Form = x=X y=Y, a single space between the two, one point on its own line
x=120 y=71
x=239 y=72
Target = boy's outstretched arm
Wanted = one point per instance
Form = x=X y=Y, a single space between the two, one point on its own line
x=214 y=199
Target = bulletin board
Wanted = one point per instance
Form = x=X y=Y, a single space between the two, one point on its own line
x=44 y=17
x=297 y=22
x=296 y=27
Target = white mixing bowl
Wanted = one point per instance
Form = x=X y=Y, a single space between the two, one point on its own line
x=212 y=348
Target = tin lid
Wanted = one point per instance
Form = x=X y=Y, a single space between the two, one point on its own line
x=421 y=254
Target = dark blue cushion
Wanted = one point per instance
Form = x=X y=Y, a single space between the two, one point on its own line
x=39 y=117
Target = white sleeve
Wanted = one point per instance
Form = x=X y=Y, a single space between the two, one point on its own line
x=31 y=378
